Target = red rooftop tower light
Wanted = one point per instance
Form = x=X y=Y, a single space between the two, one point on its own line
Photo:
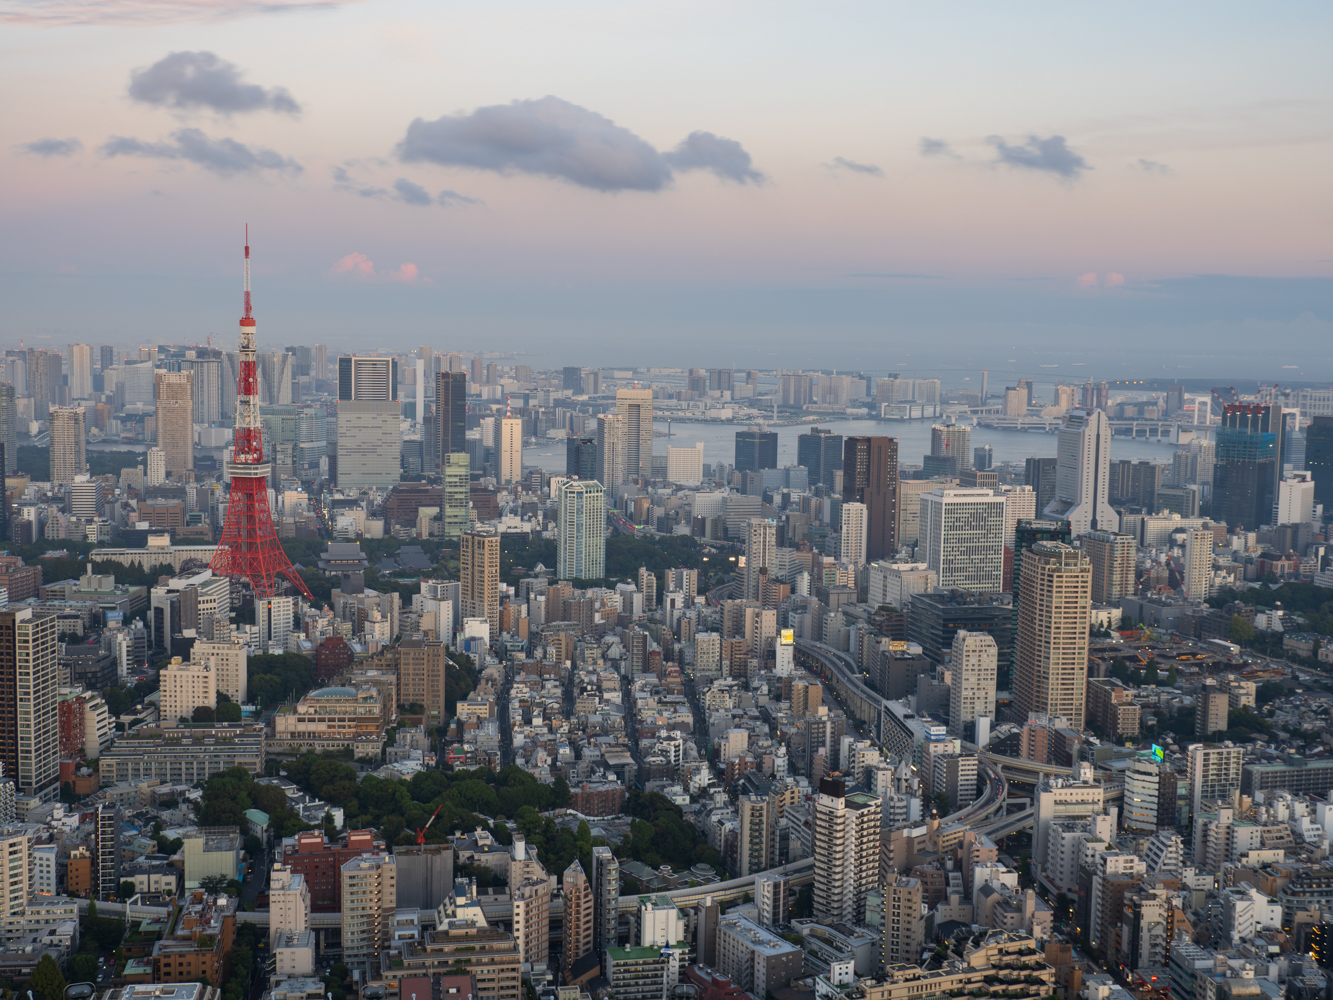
x=249 y=549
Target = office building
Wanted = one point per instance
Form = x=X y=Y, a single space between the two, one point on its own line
x=755 y=959
x=852 y=534
x=950 y=448
x=908 y=529
x=68 y=455
x=1051 y=656
x=1295 y=499
x=273 y=616
x=610 y=450
x=685 y=466
x=29 y=724
x=479 y=576
x=606 y=899
x=1248 y=465
x=581 y=457
x=1020 y=503
x=450 y=414
x=634 y=407
x=972 y=682
x=369 y=444
x=185 y=687
x=455 y=473
x=846 y=846
x=9 y=427
x=934 y=620
x=1112 y=557
x=572 y=379
x=175 y=418
x=962 y=534
x=870 y=477
x=156 y=473
x=1318 y=457
x=1040 y=473
x=511 y=450
x=761 y=544
x=821 y=452
x=1082 y=474
x=206 y=389
x=369 y=899
x=43 y=374
x=581 y=527
x=756 y=449
x=1197 y=566
x=80 y=371
x=1215 y=773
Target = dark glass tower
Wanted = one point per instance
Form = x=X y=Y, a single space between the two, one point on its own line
x=450 y=413
x=756 y=449
x=1249 y=464
x=581 y=457
x=870 y=476
x=1319 y=459
x=820 y=451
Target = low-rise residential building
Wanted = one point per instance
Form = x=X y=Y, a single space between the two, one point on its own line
x=183 y=756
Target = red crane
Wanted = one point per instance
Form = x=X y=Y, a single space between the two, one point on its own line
x=421 y=834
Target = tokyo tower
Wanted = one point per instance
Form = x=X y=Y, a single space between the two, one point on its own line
x=249 y=549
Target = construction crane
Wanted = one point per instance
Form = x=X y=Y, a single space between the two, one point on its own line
x=421 y=834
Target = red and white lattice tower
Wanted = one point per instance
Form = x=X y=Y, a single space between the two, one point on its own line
x=249 y=549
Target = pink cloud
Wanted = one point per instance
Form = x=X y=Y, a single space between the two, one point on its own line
x=1087 y=281
x=59 y=12
x=359 y=267
x=1115 y=280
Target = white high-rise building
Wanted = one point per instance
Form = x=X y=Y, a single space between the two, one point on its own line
x=228 y=661
x=185 y=687
x=273 y=615
x=581 y=524
x=1197 y=569
x=1083 y=473
x=853 y=533
x=761 y=546
x=846 y=848
x=511 y=450
x=1020 y=502
x=685 y=466
x=610 y=450
x=1214 y=773
x=635 y=409
x=80 y=371
x=972 y=666
x=288 y=903
x=28 y=643
x=962 y=532
x=895 y=583
x=1295 y=499
x=157 y=466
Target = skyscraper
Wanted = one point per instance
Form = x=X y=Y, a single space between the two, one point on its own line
x=578 y=915
x=1051 y=665
x=950 y=449
x=581 y=457
x=43 y=381
x=846 y=845
x=821 y=452
x=581 y=519
x=635 y=409
x=107 y=357
x=606 y=899
x=369 y=444
x=457 y=480
x=29 y=733
x=1039 y=473
x=9 y=426
x=68 y=455
x=450 y=413
x=573 y=379
x=610 y=450
x=1249 y=464
x=1112 y=557
x=870 y=477
x=511 y=449
x=853 y=534
x=156 y=474
x=1215 y=772
x=106 y=848
x=80 y=371
x=973 y=664
x=1318 y=458
x=756 y=449
x=761 y=543
x=175 y=418
x=1197 y=568
x=319 y=364
x=479 y=577
x=206 y=389
x=1082 y=477
x=962 y=531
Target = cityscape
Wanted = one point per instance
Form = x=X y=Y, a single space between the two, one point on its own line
x=782 y=563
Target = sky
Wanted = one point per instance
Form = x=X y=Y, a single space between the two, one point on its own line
x=1139 y=188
